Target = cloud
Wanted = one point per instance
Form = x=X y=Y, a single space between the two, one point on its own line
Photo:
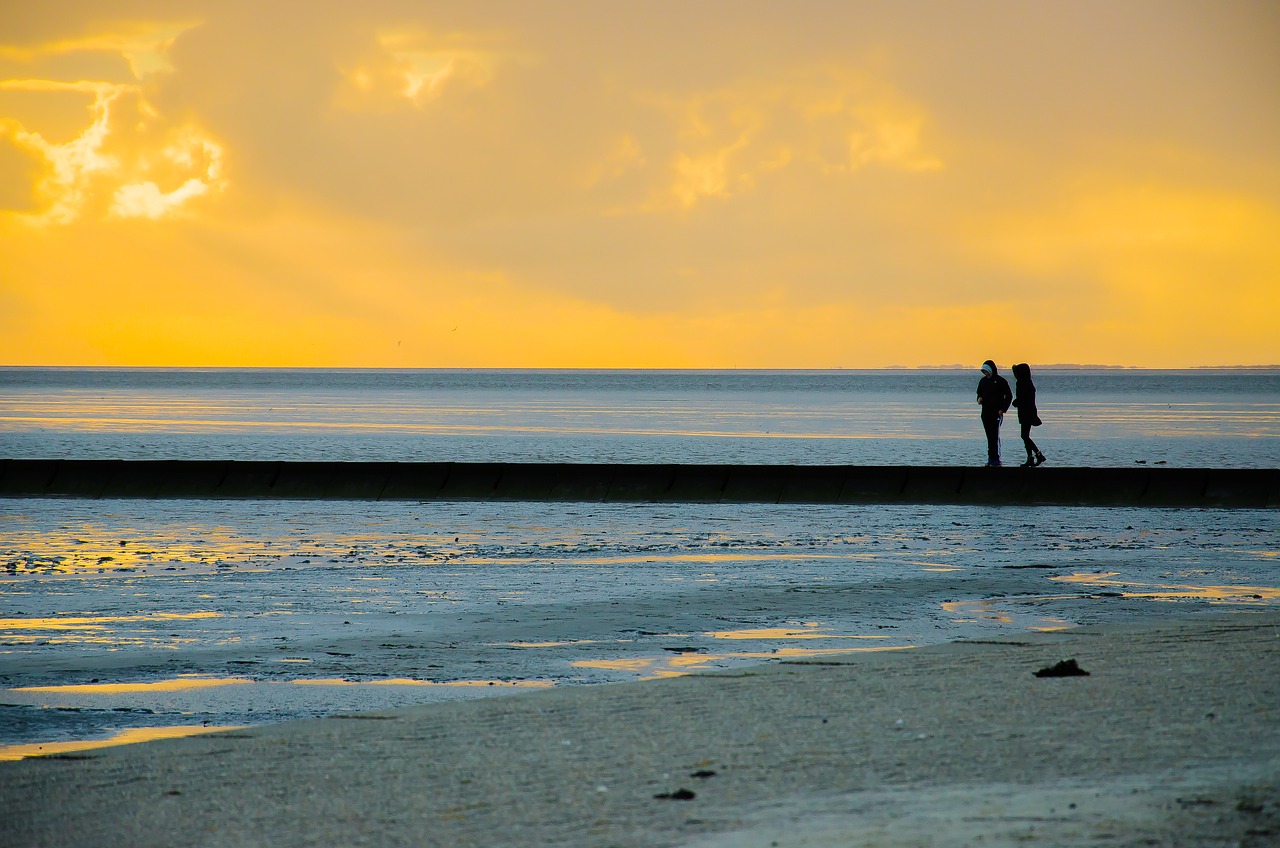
x=623 y=157
x=403 y=68
x=144 y=45
x=835 y=120
x=429 y=70
x=146 y=200
x=127 y=139
x=69 y=167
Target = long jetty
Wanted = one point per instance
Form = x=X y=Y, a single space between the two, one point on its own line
x=640 y=483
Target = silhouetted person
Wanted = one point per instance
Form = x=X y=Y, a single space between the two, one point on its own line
x=1028 y=417
x=995 y=397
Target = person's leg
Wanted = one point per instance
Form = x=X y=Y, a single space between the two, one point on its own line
x=992 y=425
x=1033 y=454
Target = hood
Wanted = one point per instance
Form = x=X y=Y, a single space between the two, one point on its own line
x=990 y=366
x=1022 y=371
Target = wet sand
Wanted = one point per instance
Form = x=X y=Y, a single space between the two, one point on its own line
x=151 y=614
x=1173 y=738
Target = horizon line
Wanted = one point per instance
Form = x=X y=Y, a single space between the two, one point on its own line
x=1065 y=366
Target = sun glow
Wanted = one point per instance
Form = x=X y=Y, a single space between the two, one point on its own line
x=277 y=185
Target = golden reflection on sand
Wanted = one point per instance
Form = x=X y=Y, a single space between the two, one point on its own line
x=688 y=663
x=95 y=622
x=124 y=737
x=83 y=556
x=982 y=609
x=933 y=566
x=145 y=556
x=990 y=610
x=792 y=653
x=407 y=681
x=1175 y=591
x=1052 y=625
x=162 y=549
x=812 y=631
x=178 y=684
x=624 y=559
x=545 y=644
x=633 y=664
x=113 y=642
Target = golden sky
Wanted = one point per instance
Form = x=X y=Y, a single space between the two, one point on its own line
x=661 y=184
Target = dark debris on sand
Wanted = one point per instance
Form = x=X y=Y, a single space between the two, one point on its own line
x=1066 y=668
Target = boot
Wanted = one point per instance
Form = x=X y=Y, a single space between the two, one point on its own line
x=1039 y=458
x=1030 y=463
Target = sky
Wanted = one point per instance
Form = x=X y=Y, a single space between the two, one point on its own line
x=736 y=184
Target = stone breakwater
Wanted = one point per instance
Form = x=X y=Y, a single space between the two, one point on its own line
x=641 y=483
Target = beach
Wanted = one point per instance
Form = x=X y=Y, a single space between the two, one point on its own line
x=1171 y=739
x=203 y=671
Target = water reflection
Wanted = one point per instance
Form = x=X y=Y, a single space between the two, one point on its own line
x=112 y=631
x=409 y=681
x=176 y=545
x=811 y=630
x=970 y=611
x=1052 y=625
x=95 y=622
x=130 y=736
x=657 y=667
x=1005 y=611
x=762 y=423
x=1175 y=591
x=680 y=661
x=177 y=684
x=735 y=556
x=546 y=644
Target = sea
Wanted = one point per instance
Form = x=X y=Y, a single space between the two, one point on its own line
x=1092 y=417
x=129 y=620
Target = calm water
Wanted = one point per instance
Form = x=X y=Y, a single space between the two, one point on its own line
x=1092 y=418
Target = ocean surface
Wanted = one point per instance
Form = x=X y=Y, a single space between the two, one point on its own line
x=908 y=417
x=128 y=620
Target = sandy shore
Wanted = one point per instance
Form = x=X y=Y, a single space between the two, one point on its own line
x=1172 y=739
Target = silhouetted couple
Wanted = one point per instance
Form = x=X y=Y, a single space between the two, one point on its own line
x=995 y=397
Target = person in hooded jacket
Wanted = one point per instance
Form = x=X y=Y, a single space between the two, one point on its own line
x=995 y=397
x=1028 y=416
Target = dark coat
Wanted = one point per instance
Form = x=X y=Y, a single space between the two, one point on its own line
x=994 y=393
x=1026 y=399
